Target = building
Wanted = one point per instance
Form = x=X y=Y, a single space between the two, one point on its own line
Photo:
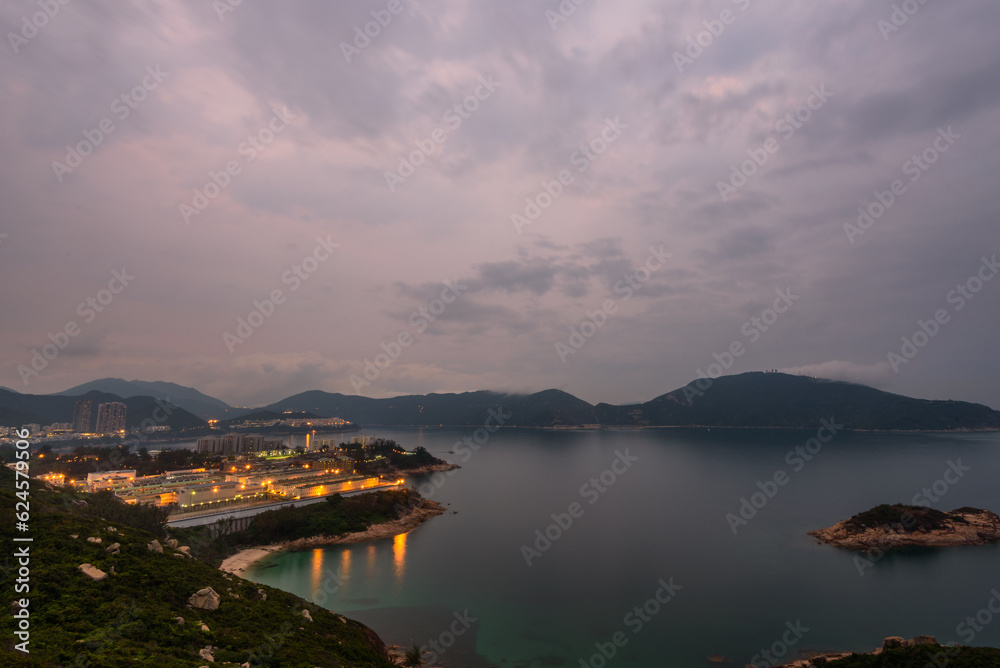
x=111 y=418
x=82 y=412
x=238 y=444
x=110 y=479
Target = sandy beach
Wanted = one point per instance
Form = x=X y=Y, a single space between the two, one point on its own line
x=240 y=563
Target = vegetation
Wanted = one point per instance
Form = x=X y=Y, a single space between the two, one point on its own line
x=128 y=619
x=906 y=518
x=338 y=516
x=89 y=458
x=921 y=657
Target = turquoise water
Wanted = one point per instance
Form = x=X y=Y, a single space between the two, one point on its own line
x=658 y=528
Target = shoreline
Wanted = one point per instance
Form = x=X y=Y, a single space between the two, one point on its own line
x=239 y=563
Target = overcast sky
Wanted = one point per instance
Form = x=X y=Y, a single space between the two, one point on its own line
x=313 y=120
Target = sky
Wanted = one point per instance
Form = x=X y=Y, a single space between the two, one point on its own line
x=403 y=197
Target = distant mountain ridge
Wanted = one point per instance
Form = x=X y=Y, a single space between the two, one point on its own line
x=188 y=398
x=20 y=409
x=754 y=399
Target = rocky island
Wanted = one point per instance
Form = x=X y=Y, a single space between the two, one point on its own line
x=889 y=526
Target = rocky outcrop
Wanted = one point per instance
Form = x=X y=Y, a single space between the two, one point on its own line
x=114 y=548
x=885 y=527
x=305 y=613
x=95 y=574
x=890 y=643
x=154 y=546
x=205 y=599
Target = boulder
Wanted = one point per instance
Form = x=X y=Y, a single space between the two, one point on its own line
x=154 y=546
x=205 y=599
x=203 y=626
x=93 y=540
x=111 y=529
x=185 y=550
x=179 y=620
x=172 y=543
x=79 y=502
x=206 y=653
x=74 y=536
x=95 y=573
x=114 y=548
x=305 y=613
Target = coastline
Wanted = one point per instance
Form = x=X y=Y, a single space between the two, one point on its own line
x=240 y=563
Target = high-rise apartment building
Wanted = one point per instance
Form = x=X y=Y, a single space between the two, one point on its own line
x=82 y=412
x=110 y=418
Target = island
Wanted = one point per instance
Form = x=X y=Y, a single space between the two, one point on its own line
x=888 y=526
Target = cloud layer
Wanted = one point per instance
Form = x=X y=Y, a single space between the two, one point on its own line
x=537 y=164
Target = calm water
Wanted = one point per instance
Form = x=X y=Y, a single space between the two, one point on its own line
x=662 y=518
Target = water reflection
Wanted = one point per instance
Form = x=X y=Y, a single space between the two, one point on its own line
x=399 y=556
x=316 y=571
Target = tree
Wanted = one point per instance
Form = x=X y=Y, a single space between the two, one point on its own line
x=413 y=657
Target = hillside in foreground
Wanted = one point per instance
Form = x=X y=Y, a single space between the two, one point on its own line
x=139 y=615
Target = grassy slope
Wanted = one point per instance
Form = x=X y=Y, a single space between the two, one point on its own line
x=128 y=619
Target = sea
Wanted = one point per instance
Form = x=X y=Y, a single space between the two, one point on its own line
x=663 y=547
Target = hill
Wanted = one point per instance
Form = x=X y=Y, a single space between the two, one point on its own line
x=753 y=399
x=188 y=398
x=48 y=408
x=542 y=409
x=138 y=615
x=760 y=399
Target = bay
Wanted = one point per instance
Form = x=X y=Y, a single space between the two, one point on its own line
x=765 y=586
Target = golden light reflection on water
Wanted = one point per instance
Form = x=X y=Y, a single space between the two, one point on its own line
x=370 y=562
x=316 y=571
x=399 y=555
